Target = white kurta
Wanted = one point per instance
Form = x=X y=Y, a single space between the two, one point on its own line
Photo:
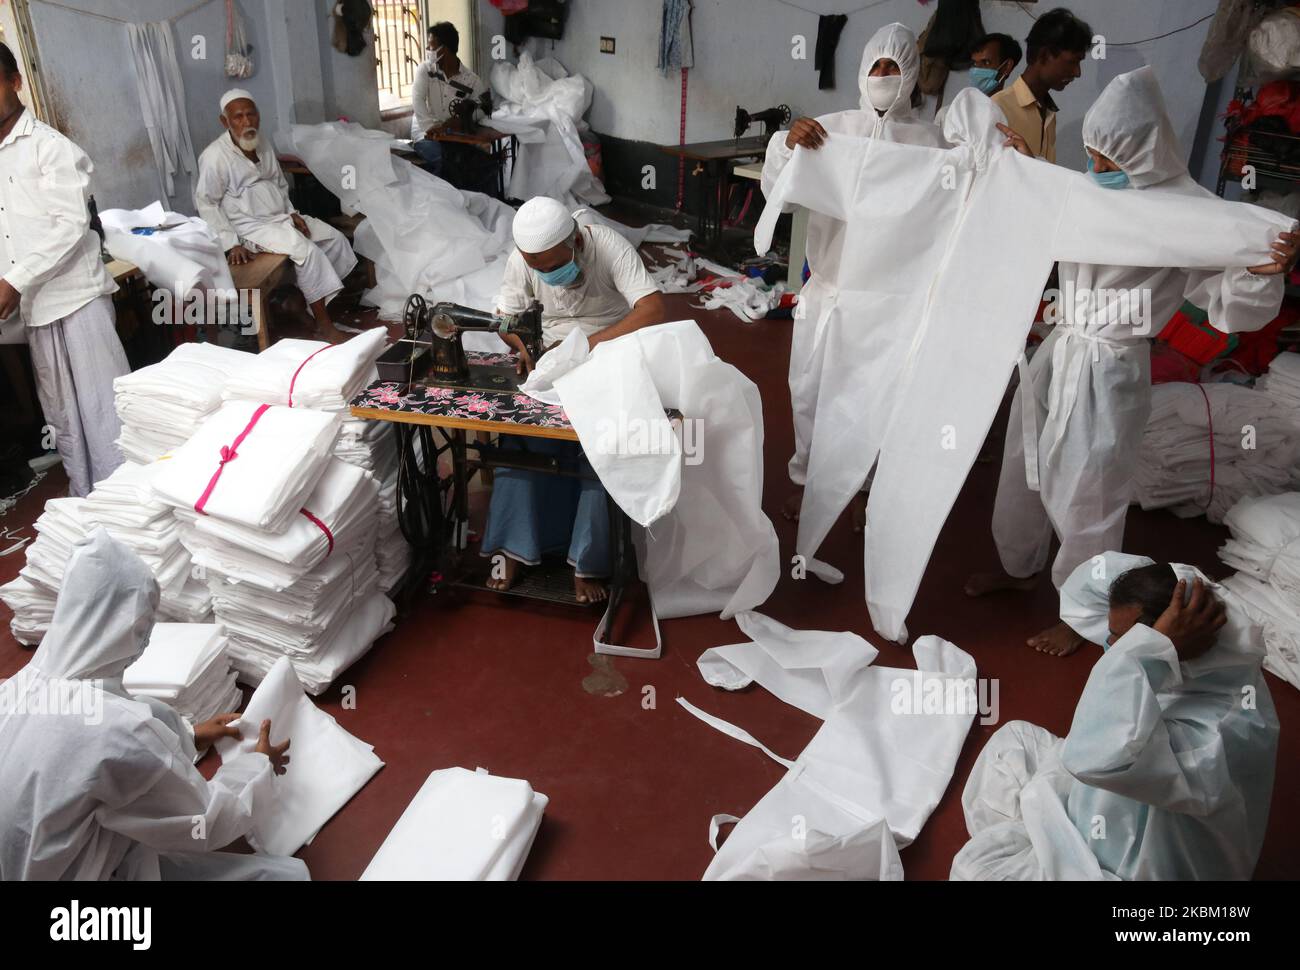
x=1166 y=772
x=125 y=798
x=961 y=311
x=1091 y=379
x=817 y=308
x=431 y=96
x=247 y=203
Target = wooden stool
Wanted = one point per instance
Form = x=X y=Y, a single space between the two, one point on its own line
x=262 y=275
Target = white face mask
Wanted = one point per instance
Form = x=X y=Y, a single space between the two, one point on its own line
x=882 y=92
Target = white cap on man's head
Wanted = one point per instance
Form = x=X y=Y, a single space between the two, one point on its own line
x=234 y=94
x=541 y=224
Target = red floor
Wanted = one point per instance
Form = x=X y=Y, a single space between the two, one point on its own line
x=632 y=778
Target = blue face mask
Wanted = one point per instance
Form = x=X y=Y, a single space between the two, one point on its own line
x=985 y=79
x=561 y=276
x=1108 y=180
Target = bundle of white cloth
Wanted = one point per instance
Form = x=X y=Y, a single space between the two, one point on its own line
x=250 y=464
x=310 y=592
x=461 y=826
x=1255 y=447
x=180 y=255
x=1282 y=382
x=311 y=374
x=186 y=666
x=162 y=405
x=124 y=504
x=1265 y=548
x=542 y=105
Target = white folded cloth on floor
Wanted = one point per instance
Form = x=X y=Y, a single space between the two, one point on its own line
x=163 y=404
x=328 y=764
x=186 y=666
x=1279 y=619
x=1256 y=449
x=1260 y=527
x=33 y=609
x=461 y=826
x=255 y=464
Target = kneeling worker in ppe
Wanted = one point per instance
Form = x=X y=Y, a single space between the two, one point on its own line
x=1090 y=382
x=97 y=785
x=586 y=277
x=1167 y=770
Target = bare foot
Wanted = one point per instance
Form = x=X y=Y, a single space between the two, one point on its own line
x=508 y=580
x=588 y=590
x=859 y=506
x=331 y=334
x=981 y=584
x=792 y=505
x=1059 y=641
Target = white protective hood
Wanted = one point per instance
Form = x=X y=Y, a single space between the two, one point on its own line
x=898 y=44
x=1128 y=124
x=104 y=614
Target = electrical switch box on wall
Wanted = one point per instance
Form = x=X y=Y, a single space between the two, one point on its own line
x=607 y=45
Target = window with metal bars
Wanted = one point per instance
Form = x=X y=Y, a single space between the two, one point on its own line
x=399 y=48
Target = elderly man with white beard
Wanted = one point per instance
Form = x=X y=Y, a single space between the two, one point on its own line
x=242 y=194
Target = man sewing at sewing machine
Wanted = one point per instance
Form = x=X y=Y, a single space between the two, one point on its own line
x=440 y=82
x=590 y=278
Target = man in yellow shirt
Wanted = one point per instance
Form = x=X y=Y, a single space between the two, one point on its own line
x=1058 y=43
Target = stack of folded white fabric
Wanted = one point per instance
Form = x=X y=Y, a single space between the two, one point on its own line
x=186 y=666
x=1256 y=449
x=162 y=405
x=1282 y=382
x=125 y=505
x=32 y=595
x=313 y=374
x=310 y=592
x=250 y=464
x=1265 y=547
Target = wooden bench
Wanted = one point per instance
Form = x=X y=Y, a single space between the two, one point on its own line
x=263 y=274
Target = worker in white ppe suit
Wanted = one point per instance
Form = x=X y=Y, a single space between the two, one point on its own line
x=97 y=785
x=1089 y=384
x=886 y=79
x=242 y=194
x=1167 y=770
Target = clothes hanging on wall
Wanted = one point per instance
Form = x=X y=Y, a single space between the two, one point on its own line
x=829 y=28
x=351 y=18
x=162 y=100
x=676 y=46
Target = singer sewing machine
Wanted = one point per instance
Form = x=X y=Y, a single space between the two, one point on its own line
x=771 y=119
x=464 y=107
x=432 y=352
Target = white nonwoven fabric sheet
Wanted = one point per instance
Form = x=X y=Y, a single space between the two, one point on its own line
x=708 y=545
x=875 y=770
x=182 y=255
x=327 y=764
x=461 y=826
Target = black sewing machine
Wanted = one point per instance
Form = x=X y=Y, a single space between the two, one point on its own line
x=463 y=108
x=432 y=348
x=771 y=119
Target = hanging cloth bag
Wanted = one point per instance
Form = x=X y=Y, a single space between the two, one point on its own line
x=239 y=53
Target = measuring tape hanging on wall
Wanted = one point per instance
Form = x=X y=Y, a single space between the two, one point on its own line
x=681 y=140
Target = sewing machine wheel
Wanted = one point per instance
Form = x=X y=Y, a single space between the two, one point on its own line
x=786 y=114
x=444 y=326
x=414 y=315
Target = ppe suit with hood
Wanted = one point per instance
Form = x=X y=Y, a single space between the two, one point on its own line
x=957 y=307
x=1089 y=392
x=1166 y=772
x=818 y=306
x=96 y=785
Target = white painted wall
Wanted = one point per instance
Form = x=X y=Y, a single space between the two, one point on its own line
x=92 y=89
x=743 y=56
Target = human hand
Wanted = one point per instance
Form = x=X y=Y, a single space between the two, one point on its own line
x=211 y=731
x=276 y=752
x=1192 y=626
x=238 y=256
x=1016 y=141
x=9 y=299
x=806 y=132
x=1285 y=252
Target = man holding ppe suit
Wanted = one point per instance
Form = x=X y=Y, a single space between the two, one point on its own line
x=1089 y=391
